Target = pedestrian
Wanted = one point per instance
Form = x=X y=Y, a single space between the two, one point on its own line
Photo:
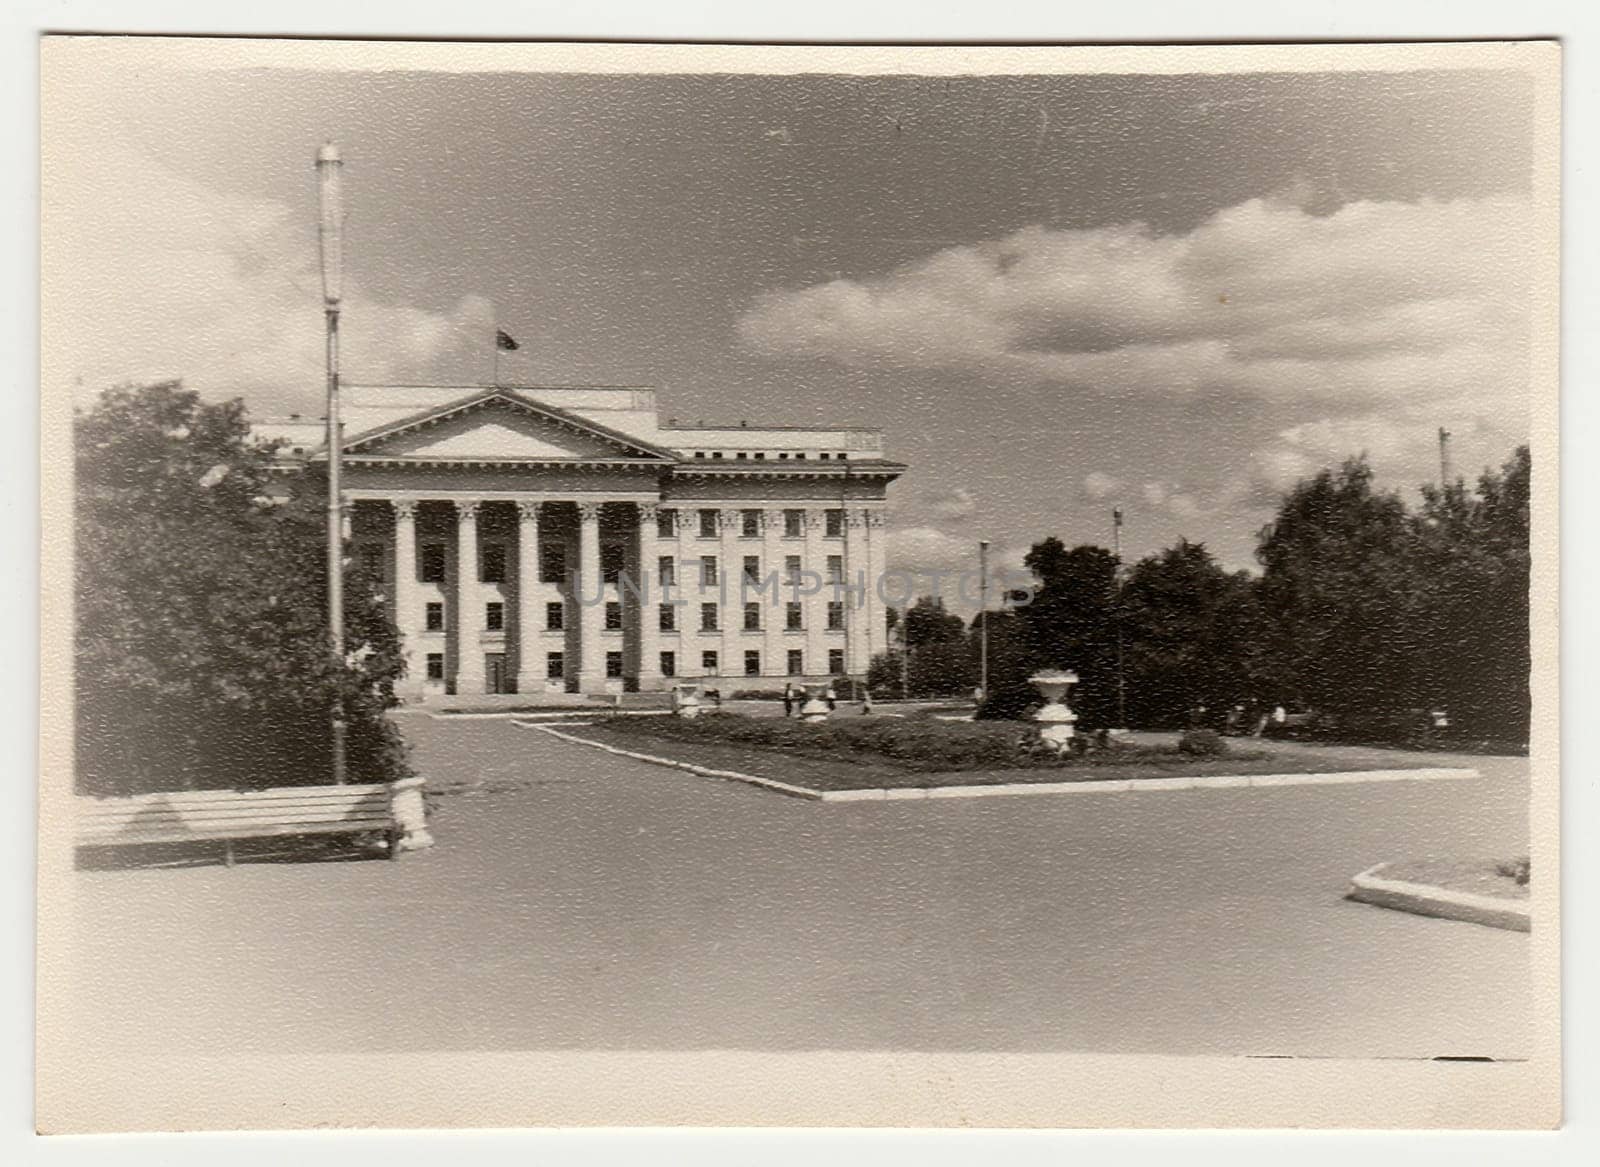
x=788 y=701
x=829 y=698
x=866 y=701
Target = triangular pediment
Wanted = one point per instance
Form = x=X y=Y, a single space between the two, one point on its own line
x=500 y=425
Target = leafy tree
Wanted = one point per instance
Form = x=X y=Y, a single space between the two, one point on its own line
x=927 y=622
x=1071 y=622
x=1336 y=595
x=1190 y=630
x=202 y=657
x=1470 y=604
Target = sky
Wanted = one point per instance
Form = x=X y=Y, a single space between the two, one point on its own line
x=1056 y=295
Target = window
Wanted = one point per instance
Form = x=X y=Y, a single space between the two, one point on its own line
x=799 y=457
x=436 y=666
x=613 y=616
x=372 y=559
x=752 y=616
x=666 y=571
x=760 y=457
x=791 y=569
x=669 y=664
x=494 y=616
x=433 y=563
x=792 y=617
x=433 y=616
x=783 y=457
x=824 y=456
x=797 y=663
x=794 y=524
x=612 y=557
x=555 y=666
x=716 y=453
x=836 y=569
x=708 y=617
x=669 y=618
x=555 y=616
x=741 y=455
x=752 y=662
x=752 y=569
x=699 y=453
x=836 y=662
x=708 y=524
x=834 y=520
x=552 y=562
x=708 y=571
x=494 y=563
x=750 y=524
x=666 y=524
x=835 y=616
x=708 y=661
x=613 y=664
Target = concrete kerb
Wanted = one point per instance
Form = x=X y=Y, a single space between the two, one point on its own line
x=567 y=716
x=1425 y=899
x=1097 y=786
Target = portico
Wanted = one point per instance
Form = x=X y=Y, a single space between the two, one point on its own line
x=544 y=541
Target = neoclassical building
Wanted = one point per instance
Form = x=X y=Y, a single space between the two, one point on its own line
x=543 y=540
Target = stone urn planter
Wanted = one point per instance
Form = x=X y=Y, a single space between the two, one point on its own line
x=815 y=707
x=1055 y=718
x=686 y=700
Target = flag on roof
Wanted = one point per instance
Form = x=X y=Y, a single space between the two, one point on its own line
x=504 y=342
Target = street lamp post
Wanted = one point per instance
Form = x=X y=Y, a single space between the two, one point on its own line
x=330 y=238
x=983 y=620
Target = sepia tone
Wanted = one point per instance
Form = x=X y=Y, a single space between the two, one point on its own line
x=828 y=557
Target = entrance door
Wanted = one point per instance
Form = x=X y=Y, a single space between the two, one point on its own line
x=494 y=672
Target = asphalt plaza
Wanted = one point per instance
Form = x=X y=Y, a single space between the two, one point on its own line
x=577 y=900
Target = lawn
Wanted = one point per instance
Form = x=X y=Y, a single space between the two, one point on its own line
x=862 y=753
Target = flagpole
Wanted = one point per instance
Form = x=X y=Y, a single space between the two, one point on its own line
x=497 y=354
x=331 y=241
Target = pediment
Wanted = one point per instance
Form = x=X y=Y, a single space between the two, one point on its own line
x=502 y=426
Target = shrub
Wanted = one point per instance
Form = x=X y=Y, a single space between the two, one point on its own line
x=1009 y=702
x=1202 y=743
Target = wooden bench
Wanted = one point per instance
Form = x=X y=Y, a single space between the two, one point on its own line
x=394 y=809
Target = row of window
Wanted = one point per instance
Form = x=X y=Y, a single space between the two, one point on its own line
x=794 y=523
x=556 y=664
x=555 y=616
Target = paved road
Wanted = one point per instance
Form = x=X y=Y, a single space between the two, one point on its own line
x=578 y=900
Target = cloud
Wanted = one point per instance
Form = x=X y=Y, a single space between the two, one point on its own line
x=1098 y=485
x=951 y=507
x=1378 y=301
x=160 y=276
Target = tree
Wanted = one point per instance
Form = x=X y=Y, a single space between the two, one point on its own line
x=1071 y=623
x=1336 y=593
x=1470 y=607
x=935 y=661
x=1190 y=629
x=201 y=650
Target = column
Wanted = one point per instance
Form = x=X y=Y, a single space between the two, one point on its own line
x=816 y=605
x=590 y=598
x=855 y=610
x=469 y=615
x=530 y=668
x=877 y=565
x=687 y=589
x=774 y=604
x=730 y=594
x=648 y=587
x=405 y=593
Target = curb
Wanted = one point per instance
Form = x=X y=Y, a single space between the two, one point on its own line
x=1424 y=899
x=554 y=715
x=902 y=793
x=703 y=771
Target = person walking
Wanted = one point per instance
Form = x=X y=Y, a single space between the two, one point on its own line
x=788 y=701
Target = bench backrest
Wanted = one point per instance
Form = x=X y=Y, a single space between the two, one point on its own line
x=174 y=816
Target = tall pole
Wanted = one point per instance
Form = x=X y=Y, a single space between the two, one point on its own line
x=331 y=240
x=983 y=619
x=1122 y=683
x=1445 y=475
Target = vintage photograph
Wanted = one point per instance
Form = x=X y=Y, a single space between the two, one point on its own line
x=584 y=564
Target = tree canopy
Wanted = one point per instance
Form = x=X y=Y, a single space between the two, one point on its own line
x=202 y=652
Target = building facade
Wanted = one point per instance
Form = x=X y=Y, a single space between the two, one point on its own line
x=557 y=540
